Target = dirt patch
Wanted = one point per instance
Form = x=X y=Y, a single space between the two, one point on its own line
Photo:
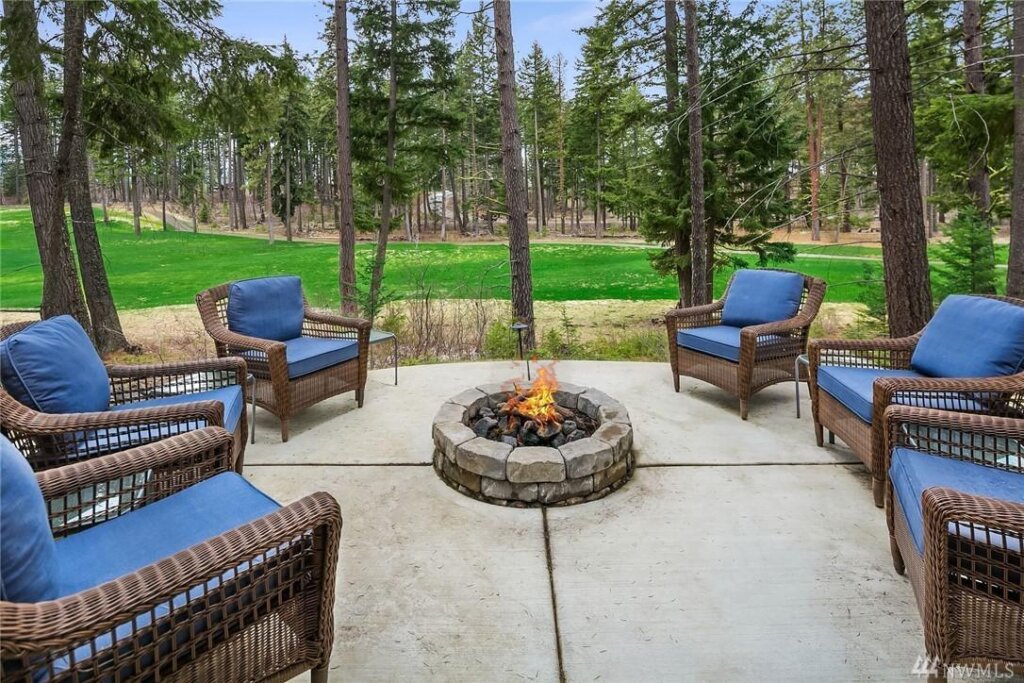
x=173 y=333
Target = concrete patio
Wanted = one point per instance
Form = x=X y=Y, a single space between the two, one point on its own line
x=739 y=550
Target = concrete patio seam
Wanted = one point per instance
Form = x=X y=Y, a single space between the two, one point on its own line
x=766 y=463
x=554 y=597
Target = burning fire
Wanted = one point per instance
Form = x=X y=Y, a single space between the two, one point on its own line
x=537 y=404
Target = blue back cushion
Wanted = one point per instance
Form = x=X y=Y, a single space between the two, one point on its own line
x=972 y=336
x=52 y=367
x=762 y=296
x=267 y=308
x=28 y=556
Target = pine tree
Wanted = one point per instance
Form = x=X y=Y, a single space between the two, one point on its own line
x=538 y=95
x=968 y=261
x=400 y=68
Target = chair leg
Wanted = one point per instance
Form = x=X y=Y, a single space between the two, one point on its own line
x=819 y=434
x=359 y=396
x=675 y=381
x=743 y=409
x=318 y=675
x=878 y=492
x=284 y=430
x=831 y=438
x=897 y=556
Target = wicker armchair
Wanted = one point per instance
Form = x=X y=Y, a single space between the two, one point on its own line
x=955 y=511
x=251 y=602
x=897 y=382
x=763 y=354
x=54 y=439
x=279 y=389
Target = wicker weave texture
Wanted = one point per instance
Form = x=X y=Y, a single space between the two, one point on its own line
x=968 y=582
x=52 y=440
x=275 y=391
x=998 y=396
x=768 y=352
x=255 y=603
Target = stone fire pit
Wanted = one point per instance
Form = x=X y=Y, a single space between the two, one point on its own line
x=533 y=476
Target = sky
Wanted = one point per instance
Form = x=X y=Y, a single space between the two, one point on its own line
x=551 y=23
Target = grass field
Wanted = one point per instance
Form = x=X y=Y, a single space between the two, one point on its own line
x=161 y=268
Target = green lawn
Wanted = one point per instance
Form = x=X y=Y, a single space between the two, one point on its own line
x=875 y=250
x=161 y=268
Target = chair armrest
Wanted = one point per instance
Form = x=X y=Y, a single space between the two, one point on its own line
x=51 y=440
x=288 y=556
x=332 y=326
x=151 y=472
x=984 y=439
x=994 y=395
x=694 y=316
x=337 y=320
x=231 y=339
x=945 y=506
x=130 y=383
x=861 y=353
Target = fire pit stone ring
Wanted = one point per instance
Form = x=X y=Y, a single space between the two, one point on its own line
x=581 y=470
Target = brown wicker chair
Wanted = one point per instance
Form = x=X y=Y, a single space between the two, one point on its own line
x=967 y=564
x=254 y=603
x=275 y=391
x=51 y=440
x=767 y=352
x=1003 y=396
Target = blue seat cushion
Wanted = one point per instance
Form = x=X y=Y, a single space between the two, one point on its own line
x=266 y=308
x=972 y=336
x=913 y=472
x=139 y=538
x=28 y=557
x=52 y=367
x=306 y=355
x=231 y=397
x=720 y=341
x=762 y=296
x=854 y=388
x=94 y=442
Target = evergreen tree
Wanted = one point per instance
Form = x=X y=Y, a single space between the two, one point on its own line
x=968 y=261
x=401 y=67
x=748 y=146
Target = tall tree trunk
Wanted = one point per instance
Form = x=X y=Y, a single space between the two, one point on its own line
x=844 y=176
x=512 y=165
x=239 y=182
x=539 y=189
x=681 y=238
x=106 y=325
x=598 y=224
x=287 y=193
x=560 y=200
x=43 y=176
x=444 y=207
x=699 y=242
x=163 y=198
x=904 y=247
x=1015 y=267
x=267 y=198
x=377 y=273
x=813 y=149
x=136 y=194
x=457 y=218
x=18 y=169
x=974 y=77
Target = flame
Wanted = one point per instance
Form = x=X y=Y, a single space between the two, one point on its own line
x=539 y=402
